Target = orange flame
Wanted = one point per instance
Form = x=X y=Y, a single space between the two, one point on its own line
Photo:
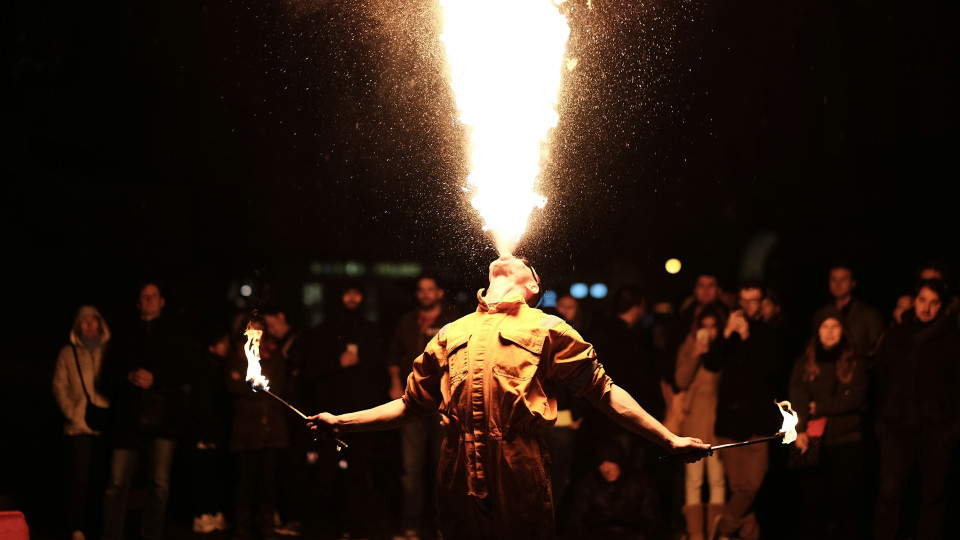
x=790 y=420
x=252 y=350
x=506 y=63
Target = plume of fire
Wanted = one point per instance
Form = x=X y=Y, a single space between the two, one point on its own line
x=506 y=61
x=252 y=350
x=789 y=428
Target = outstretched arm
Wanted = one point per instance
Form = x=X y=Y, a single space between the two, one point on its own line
x=619 y=405
x=389 y=415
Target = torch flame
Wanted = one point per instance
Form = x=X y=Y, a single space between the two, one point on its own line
x=252 y=349
x=789 y=428
x=506 y=63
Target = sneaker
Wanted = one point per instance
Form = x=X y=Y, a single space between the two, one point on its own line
x=291 y=528
x=204 y=523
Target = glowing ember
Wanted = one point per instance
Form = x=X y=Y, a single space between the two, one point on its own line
x=506 y=60
x=789 y=428
x=252 y=349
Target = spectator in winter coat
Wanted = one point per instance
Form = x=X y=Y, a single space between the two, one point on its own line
x=828 y=389
x=918 y=373
x=76 y=384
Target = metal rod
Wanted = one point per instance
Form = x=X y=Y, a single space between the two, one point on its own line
x=281 y=400
x=340 y=444
x=777 y=437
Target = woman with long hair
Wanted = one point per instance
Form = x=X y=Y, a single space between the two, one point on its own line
x=698 y=396
x=76 y=387
x=828 y=389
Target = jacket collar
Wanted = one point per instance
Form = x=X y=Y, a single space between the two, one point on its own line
x=507 y=305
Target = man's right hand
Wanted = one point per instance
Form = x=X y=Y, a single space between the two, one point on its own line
x=323 y=425
x=689 y=449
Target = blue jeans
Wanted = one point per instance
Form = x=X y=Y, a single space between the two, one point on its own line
x=420 y=445
x=123 y=464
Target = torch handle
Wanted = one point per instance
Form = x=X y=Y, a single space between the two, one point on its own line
x=777 y=437
x=340 y=444
x=281 y=400
x=747 y=443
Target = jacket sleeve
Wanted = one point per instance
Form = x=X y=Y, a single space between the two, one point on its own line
x=687 y=364
x=799 y=395
x=422 y=395
x=849 y=397
x=573 y=362
x=61 y=386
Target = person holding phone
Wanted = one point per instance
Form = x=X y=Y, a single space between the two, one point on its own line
x=698 y=386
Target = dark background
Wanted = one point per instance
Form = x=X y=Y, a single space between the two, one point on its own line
x=208 y=144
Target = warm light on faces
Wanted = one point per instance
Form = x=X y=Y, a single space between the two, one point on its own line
x=831 y=331
x=926 y=305
x=276 y=324
x=428 y=293
x=705 y=291
x=151 y=302
x=352 y=299
x=567 y=308
x=710 y=324
x=750 y=300
x=610 y=471
x=841 y=282
x=89 y=326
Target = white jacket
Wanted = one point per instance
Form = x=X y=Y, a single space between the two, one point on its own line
x=66 y=380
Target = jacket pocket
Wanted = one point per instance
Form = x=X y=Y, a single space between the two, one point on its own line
x=457 y=358
x=521 y=354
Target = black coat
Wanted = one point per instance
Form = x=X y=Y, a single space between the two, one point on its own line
x=918 y=373
x=162 y=348
x=749 y=371
x=333 y=388
x=624 y=509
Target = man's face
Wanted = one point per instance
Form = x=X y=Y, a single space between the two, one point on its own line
x=428 y=293
x=151 y=302
x=514 y=270
x=926 y=305
x=841 y=282
x=705 y=290
x=567 y=307
x=352 y=299
x=830 y=332
x=750 y=300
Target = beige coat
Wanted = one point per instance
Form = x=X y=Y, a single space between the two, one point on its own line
x=67 y=389
x=699 y=393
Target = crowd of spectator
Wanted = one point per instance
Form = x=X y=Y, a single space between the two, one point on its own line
x=874 y=400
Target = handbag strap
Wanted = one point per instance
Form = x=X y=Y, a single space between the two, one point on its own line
x=80 y=372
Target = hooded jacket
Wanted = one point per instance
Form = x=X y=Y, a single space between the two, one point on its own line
x=67 y=387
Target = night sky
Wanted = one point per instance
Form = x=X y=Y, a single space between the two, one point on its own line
x=206 y=142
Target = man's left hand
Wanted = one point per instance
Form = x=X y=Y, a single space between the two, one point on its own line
x=690 y=449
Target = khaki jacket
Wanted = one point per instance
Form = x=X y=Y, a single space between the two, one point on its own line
x=67 y=389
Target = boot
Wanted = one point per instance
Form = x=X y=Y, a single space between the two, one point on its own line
x=714 y=511
x=693 y=513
